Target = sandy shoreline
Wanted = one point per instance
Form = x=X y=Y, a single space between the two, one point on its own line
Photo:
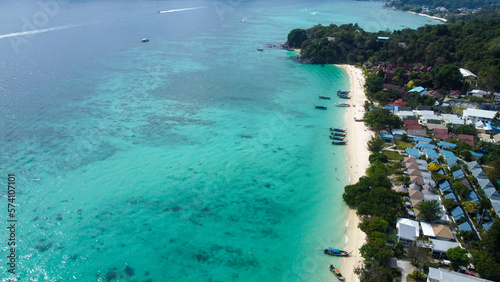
x=357 y=154
x=429 y=16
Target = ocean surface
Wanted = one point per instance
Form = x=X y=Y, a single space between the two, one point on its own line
x=193 y=157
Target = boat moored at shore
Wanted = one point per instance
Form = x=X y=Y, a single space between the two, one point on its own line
x=339 y=142
x=342 y=104
x=337 y=273
x=334 y=137
x=336 y=252
x=338 y=129
x=323 y=97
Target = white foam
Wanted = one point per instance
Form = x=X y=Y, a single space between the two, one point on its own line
x=16 y=34
x=180 y=10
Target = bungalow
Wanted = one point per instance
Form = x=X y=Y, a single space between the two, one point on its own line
x=431 y=153
x=446 y=145
x=445 y=186
x=478 y=93
x=410 y=122
x=413 y=153
x=468 y=75
x=423 y=145
x=452 y=196
x=414 y=126
x=440 y=247
x=408 y=230
x=434 y=94
x=437 y=231
x=398 y=133
x=457 y=213
x=465 y=227
x=476 y=170
x=459 y=174
x=455 y=94
x=472 y=197
x=404 y=115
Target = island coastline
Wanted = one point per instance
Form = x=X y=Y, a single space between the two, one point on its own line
x=357 y=159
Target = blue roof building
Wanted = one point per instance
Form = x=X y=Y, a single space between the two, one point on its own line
x=465 y=227
x=445 y=186
x=422 y=139
x=472 y=197
x=420 y=90
x=452 y=196
x=457 y=213
x=487 y=225
x=448 y=154
x=475 y=154
x=431 y=153
x=413 y=153
x=422 y=145
x=441 y=171
x=447 y=145
x=459 y=174
x=386 y=137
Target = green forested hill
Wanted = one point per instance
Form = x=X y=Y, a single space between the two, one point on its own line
x=449 y=4
x=472 y=43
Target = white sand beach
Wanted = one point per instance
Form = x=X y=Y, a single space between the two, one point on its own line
x=357 y=154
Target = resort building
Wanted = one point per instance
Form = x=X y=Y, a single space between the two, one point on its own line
x=472 y=116
x=468 y=76
x=453 y=119
x=445 y=275
x=408 y=230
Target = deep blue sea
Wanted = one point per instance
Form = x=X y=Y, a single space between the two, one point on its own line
x=192 y=157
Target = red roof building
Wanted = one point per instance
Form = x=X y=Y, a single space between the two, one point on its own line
x=469 y=139
x=414 y=126
x=411 y=121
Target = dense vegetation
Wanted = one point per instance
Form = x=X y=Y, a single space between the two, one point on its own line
x=452 y=5
x=472 y=43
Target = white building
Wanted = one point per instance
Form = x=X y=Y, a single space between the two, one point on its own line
x=475 y=115
x=445 y=275
x=453 y=119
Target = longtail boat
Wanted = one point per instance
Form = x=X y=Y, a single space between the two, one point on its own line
x=336 y=137
x=343 y=92
x=339 y=142
x=338 y=133
x=336 y=252
x=320 y=107
x=337 y=129
x=337 y=273
x=323 y=97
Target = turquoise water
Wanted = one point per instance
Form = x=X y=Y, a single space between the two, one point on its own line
x=191 y=157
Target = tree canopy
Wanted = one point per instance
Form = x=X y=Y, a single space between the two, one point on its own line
x=378 y=119
x=458 y=257
x=430 y=211
x=296 y=37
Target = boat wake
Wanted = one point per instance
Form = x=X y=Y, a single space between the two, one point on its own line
x=180 y=10
x=31 y=32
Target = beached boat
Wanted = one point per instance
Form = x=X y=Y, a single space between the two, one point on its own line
x=342 y=104
x=358 y=119
x=260 y=49
x=334 y=137
x=339 y=133
x=323 y=97
x=336 y=252
x=145 y=40
x=320 y=107
x=345 y=92
x=337 y=273
x=344 y=97
x=339 y=142
x=338 y=129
